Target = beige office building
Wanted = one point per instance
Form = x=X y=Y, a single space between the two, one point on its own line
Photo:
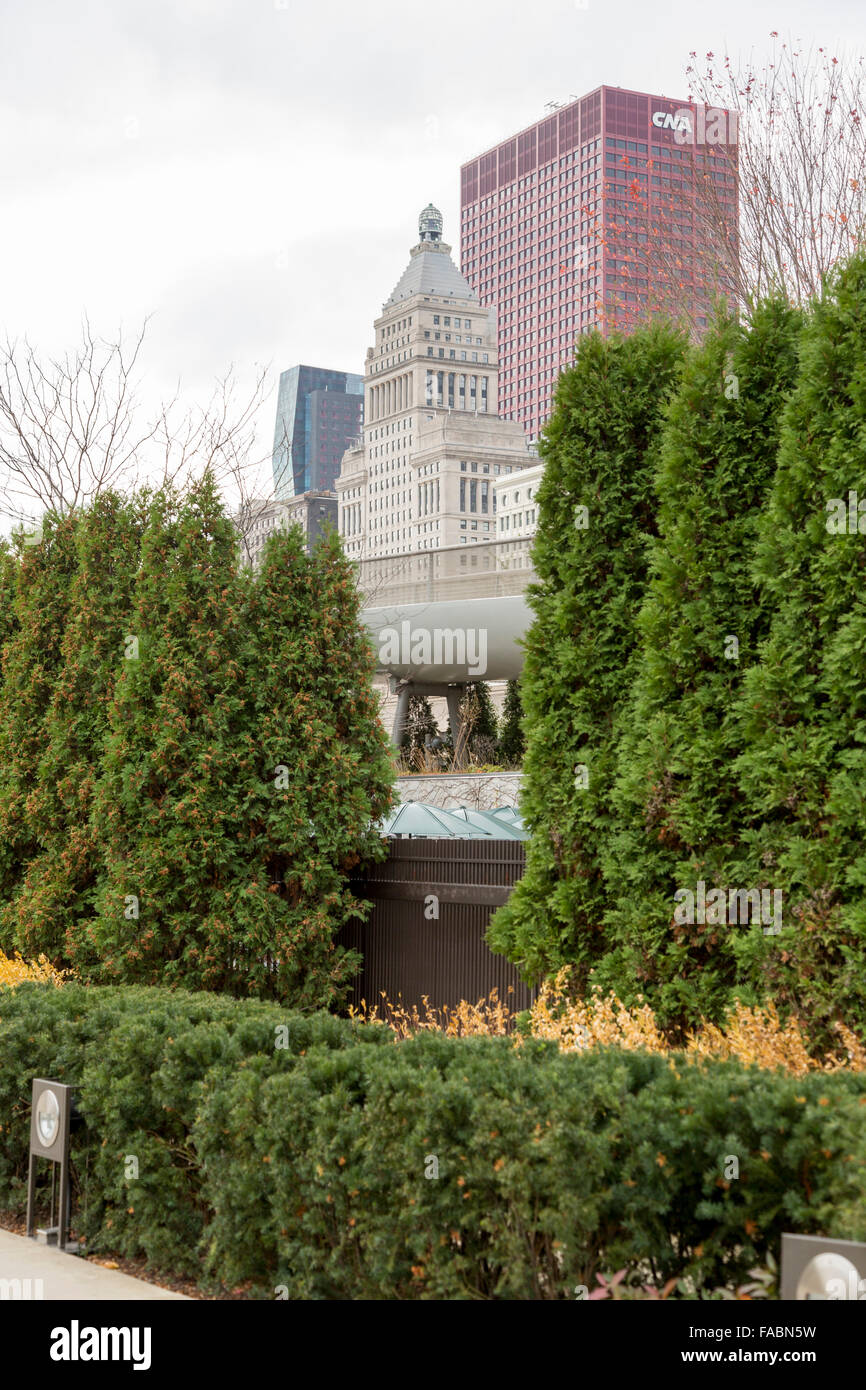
x=421 y=476
x=517 y=504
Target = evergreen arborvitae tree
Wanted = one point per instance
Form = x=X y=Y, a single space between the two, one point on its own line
x=420 y=726
x=322 y=775
x=56 y=894
x=8 y=590
x=480 y=715
x=45 y=570
x=168 y=803
x=511 y=738
x=8 y=628
x=596 y=508
x=245 y=768
x=803 y=768
x=680 y=813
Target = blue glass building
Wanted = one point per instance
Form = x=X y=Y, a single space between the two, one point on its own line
x=318 y=412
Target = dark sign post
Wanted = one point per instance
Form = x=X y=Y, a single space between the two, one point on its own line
x=50 y=1123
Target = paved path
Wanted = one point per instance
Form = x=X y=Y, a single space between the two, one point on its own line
x=53 y=1275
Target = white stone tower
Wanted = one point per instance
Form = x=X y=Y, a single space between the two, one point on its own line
x=422 y=477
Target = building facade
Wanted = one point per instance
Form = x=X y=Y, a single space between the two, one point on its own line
x=319 y=411
x=313 y=511
x=517 y=504
x=421 y=475
x=597 y=217
x=256 y=520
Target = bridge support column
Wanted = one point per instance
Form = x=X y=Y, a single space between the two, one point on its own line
x=454 y=694
x=401 y=714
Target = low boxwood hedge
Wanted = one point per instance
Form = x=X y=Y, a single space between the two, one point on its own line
x=316 y=1158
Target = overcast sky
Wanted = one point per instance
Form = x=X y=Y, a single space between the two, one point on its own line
x=250 y=172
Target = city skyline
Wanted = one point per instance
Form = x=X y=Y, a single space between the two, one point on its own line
x=230 y=173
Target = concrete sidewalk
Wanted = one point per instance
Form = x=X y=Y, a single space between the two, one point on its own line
x=31 y=1271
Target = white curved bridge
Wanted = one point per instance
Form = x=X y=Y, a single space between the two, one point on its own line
x=440 y=619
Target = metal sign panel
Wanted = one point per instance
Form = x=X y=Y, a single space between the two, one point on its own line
x=49 y=1119
x=50 y=1124
x=814 y=1267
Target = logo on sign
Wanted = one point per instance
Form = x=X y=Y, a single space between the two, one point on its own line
x=715 y=126
x=664 y=121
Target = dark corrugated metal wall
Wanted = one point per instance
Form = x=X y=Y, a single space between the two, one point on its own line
x=407 y=953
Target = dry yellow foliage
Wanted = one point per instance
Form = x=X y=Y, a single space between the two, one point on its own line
x=754 y=1036
x=489 y=1017
x=576 y=1024
x=14 y=971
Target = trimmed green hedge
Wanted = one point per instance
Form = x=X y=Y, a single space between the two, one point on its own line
x=309 y=1167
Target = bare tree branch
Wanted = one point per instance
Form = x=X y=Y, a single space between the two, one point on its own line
x=802 y=164
x=72 y=427
x=68 y=426
x=793 y=147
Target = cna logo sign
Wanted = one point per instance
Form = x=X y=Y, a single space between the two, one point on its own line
x=707 y=125
x=663 y=120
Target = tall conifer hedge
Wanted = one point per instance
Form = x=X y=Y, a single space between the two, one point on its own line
x=680 y=811
x=31 y=664
x=165 y=809
x=322 y=768
x=55 y=894
x=716 y=737
x=803 y=766
x=597 y=509
x=191 y=760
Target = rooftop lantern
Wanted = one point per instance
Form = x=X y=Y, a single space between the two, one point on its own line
x=430 y=224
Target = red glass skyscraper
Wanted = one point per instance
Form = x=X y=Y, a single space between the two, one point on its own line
x=598 y=216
